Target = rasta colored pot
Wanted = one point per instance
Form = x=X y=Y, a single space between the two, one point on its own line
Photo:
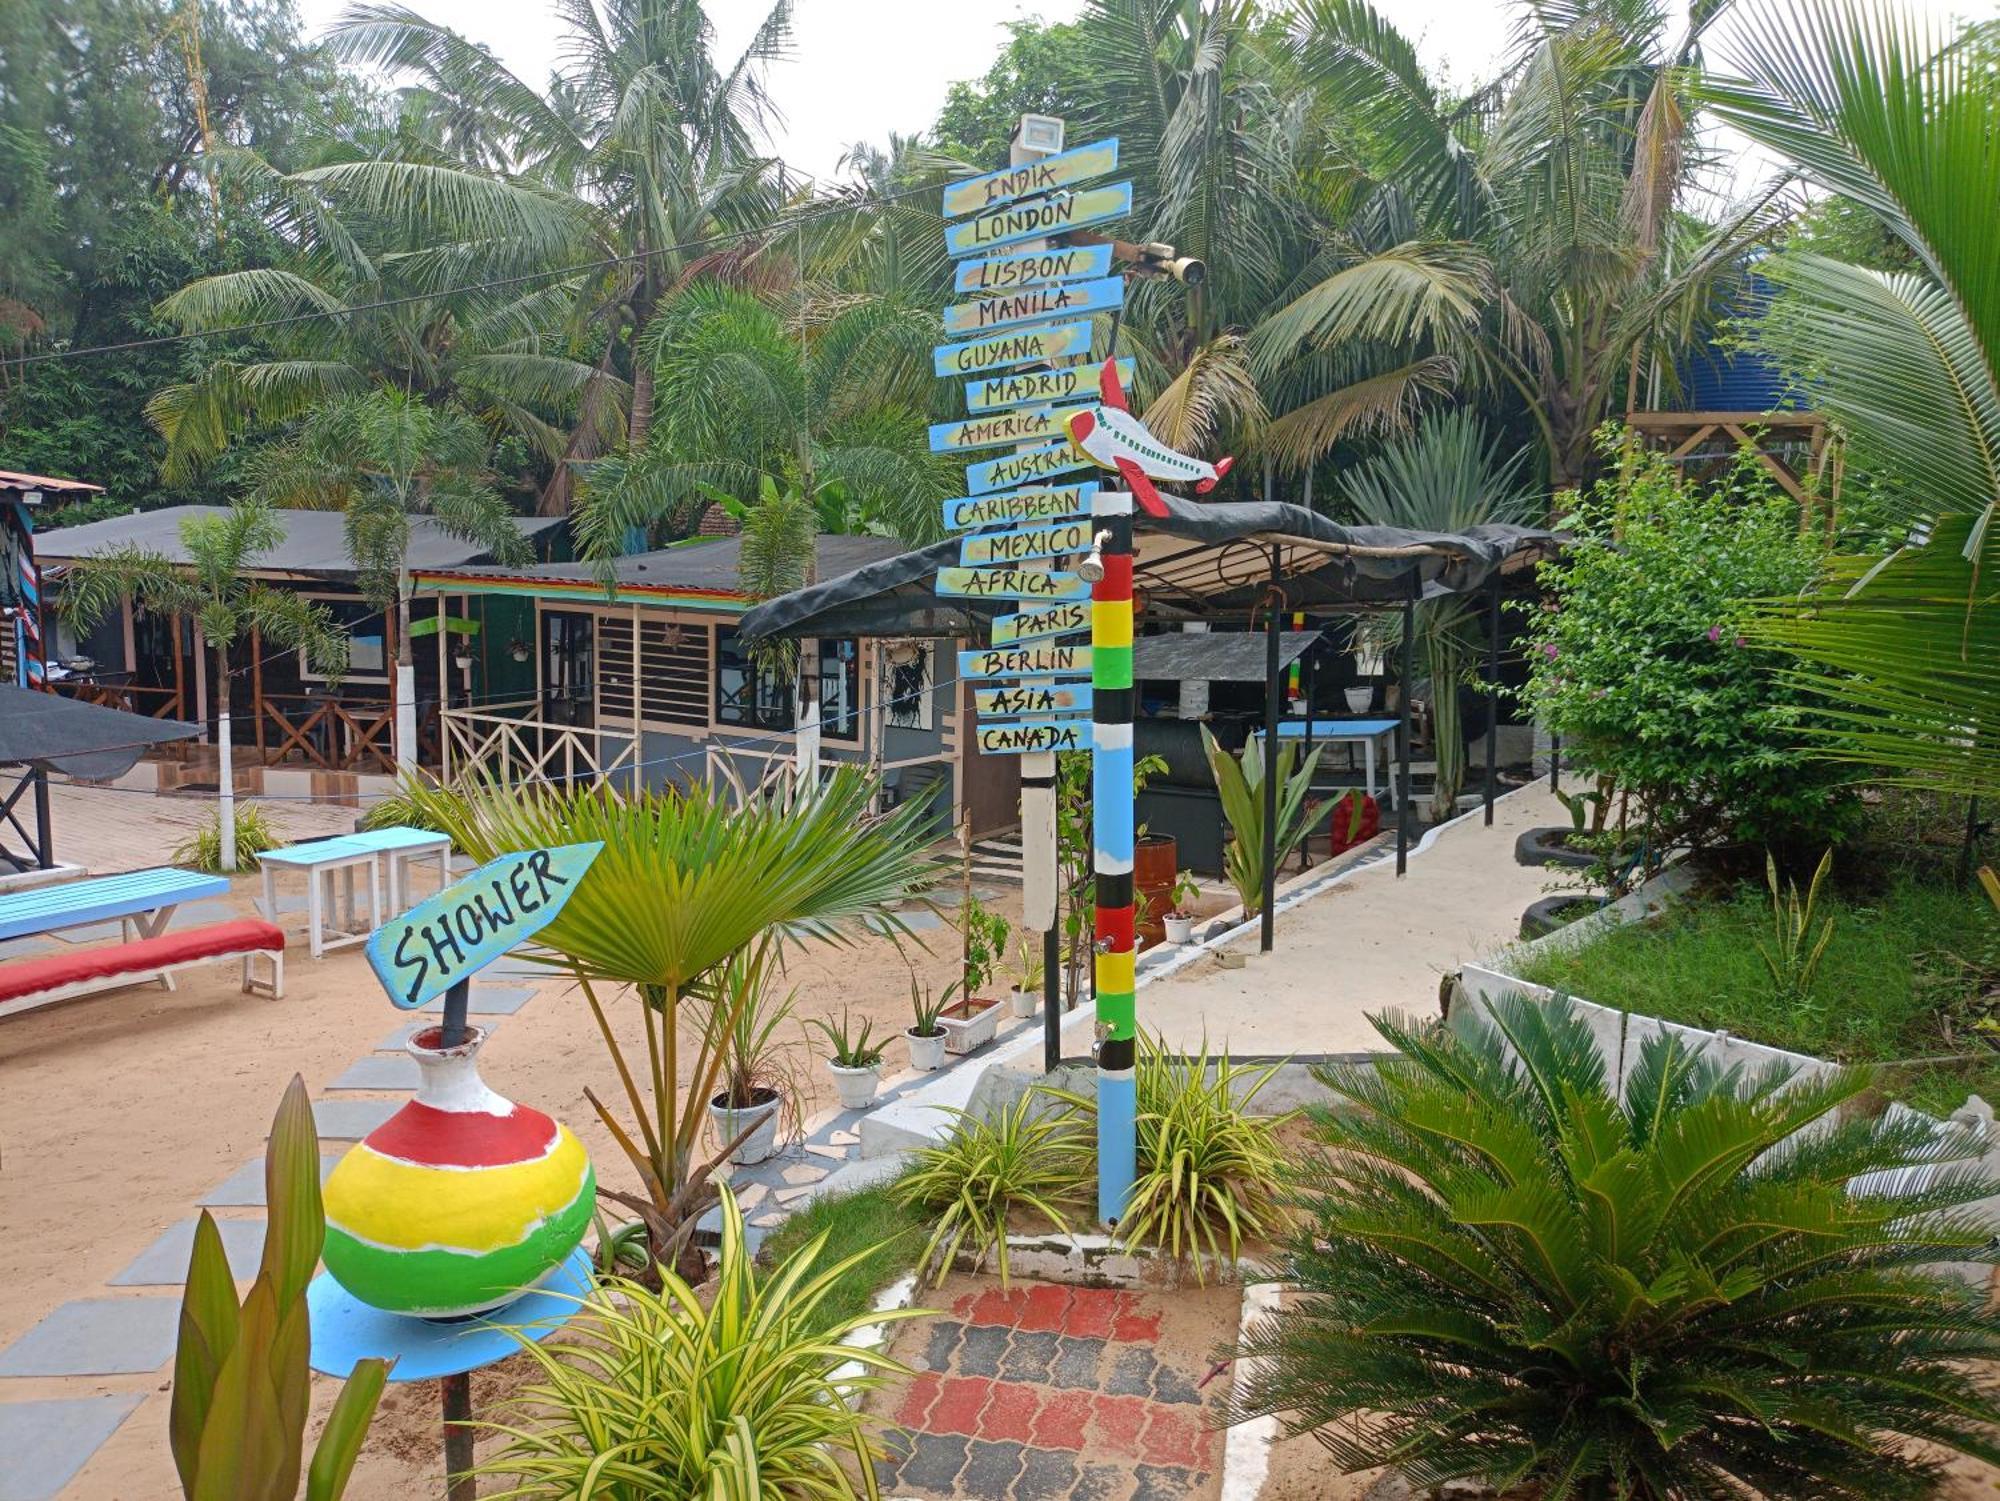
x=459 y=1201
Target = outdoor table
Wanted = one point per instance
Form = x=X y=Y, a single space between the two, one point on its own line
x=1366 y=733
x=144 y=900
x=402 y=847
x=321 y=861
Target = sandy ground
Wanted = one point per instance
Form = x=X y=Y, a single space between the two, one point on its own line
x=108 y=829
x=1368 y=944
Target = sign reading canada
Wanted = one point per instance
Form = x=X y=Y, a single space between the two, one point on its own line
x=437 y=943
x=1023 y=739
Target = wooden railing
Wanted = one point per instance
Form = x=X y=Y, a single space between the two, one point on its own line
x=158 y=703
x=515 y=747
x=326 y=733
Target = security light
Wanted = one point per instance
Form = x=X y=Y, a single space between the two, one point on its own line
x=1043 y=133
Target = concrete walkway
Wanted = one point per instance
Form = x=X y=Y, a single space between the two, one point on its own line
x=1368 y=943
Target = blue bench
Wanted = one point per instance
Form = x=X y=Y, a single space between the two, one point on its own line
x=145 y=899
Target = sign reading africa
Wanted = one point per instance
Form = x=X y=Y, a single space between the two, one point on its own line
x=1041 y=216
x=1037 y=542
x=1028 y=465
x=1025 y=662
x=1029 y=425
x=1031 y=387
x=1010 y=583
x=1026 y=738
x=465 y=927
x=1035 y=304
x=1017 y=699
x=1029 y=268
x=1030 y=625
x=1018 y=506
x=971 y=194
x=1028 y=346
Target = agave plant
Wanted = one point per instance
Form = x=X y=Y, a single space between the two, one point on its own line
x=1239 y=782
x=1705 y=1284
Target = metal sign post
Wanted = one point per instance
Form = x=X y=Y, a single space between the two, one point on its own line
x=1112 y=817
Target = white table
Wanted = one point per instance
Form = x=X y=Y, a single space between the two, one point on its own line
x=402 y=847
x=1366 y=733
x=320 y=862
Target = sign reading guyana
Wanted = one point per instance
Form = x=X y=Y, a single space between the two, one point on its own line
x=1028 y=346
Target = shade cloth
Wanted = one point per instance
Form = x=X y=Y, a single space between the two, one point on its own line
x=55 y=733
x=1215 y=656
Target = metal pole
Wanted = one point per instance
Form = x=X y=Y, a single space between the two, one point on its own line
x=1112 y=818
x=461 y=1484
x=45 y=855
x=455 y=1030
x=1403 y=729
x=1555 y=761
x=1965 y=854
x=1267 y=919
x=1051 y=998
x=1492 y=693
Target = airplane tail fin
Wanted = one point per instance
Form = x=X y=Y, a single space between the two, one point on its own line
x=1222 y=467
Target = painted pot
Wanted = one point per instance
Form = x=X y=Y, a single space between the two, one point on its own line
x=969 y=1023
x=1180 y=930
x=855 y=1086
x=761 y=1143
x=461 y=1200
x=926 y=1053
x=1023 y=1003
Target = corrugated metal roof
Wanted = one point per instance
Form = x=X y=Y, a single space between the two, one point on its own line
x=707 y=567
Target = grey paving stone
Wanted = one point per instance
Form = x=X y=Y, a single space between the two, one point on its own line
x=379 y=1071
x=28 y=948
x=492 y=1000
x=934 y=1462
x=915 y=921
x=393 y=1043
x=942 y=1345
x=990 y=1468
x=164 y=1263
x=1028 y=1356
x=96 y=932
x=207 y=910
x=1096 y=1482
x=245 y=1187
x=1076 y=1362
x=1046 y=1475
x=1170 y=1385
x=97 y=1337
x=981 y=1351
x=1161 y=1483
x=46 y=1443
x=1132 y=1373
x=350 y=1120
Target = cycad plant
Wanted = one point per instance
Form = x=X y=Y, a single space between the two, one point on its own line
x=1239 y=782
x=1511 y=1271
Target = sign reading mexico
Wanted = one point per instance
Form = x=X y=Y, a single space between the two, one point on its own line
x=437 y=943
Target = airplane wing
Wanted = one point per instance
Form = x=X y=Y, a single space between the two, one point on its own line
x=1142 y=486
x=1109 y=388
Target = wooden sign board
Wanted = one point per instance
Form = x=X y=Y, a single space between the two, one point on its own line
x=1016 y=507
x=972 y=195
x=1032 y=268
x=1025 y=662
x=1027 y=346
x=1027 y=737
x=1035 y=305
x=1026 y=425
x=1035 y=387
x=1017 y=700
x=1030 y=625
x=1035 y=542
x=1038 y=217
x=1026 y=467
x=1010 y=583
x=438 y=943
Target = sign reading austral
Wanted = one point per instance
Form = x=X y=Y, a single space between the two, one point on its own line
x=437 y=943
x=1026 y=466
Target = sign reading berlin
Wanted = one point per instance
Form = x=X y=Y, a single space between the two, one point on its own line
x=1025 y=662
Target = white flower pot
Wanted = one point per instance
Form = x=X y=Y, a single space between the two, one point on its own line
x=926 y=1053
x=1179 y=929
x=1358 y=699
x=760 y=1143
x=1023 y=1002
x=855 y=1086
x=970 y=1024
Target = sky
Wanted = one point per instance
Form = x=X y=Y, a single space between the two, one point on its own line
x=863 y=68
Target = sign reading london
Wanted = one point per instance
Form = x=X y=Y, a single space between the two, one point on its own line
x=1038 y=217
x=451 y=937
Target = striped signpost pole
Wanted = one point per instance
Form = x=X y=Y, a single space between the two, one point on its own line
x=1112 y=819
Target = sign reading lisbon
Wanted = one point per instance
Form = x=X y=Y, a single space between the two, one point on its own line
x=1030 y=268
x=451 y=937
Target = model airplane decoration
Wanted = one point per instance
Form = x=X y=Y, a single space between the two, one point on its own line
x=1111 y=435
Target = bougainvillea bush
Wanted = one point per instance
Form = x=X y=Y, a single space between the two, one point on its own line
x=1637 y=658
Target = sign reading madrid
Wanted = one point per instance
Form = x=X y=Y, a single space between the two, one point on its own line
x=1030 y=387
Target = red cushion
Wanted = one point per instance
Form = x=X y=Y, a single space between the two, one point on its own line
x=242 y=936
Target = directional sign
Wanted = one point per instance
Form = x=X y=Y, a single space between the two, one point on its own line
x=1019 y=506
x=1026 y=466
x=437 y=943
x=1030 y=268
x=1028 y=425
x=1010 y=583
x=1025 y=662
x=1079 y=164
x=1035 y=387
x=1035 y=305
x=1026 y=346
x=1031 y=625
x=1025 y=737
x=1040 y=216
x=1018 y=699
x=1035 y=542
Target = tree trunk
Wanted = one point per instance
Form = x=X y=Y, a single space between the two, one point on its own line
x=225 y=768
x=642 y=407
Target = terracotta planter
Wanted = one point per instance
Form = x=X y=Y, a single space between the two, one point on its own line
x=1155 y=860
x=970 y=1024
x=761 y=1143
x=926 y=1053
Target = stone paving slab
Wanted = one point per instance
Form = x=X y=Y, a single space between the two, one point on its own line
x=350 y=1120
x=96 y=1337
x=244 y=1188
x=46 y=1443
x=380 y=1071
x=164 y=1263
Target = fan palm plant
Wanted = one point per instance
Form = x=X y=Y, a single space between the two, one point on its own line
x=686 y=881
x=217 y=589
x=1511 y=1271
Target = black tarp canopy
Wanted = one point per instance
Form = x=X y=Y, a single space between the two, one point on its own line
x=44 y=732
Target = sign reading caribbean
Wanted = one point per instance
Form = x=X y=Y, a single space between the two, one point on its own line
x=1017 y=507
x=1015 y=547
x=1024 y=662
x=1010 y=583
x=1028 y=346
x=1041 y=216
x=1029 y=268
x=1025 y=738
x=1031 y=625
x=969 y=195
x=1030 y=387
x=437 y=943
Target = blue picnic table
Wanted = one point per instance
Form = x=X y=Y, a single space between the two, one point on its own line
x=144 y=899
x=1366 y=733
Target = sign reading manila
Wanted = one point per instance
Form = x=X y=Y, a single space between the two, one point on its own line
x=451 y=937
x=1028 y=465
x=1031 y=625
x=1035 y=305
x=1037 y=217
x=1025 y=662
x=1025 y=738
x=1019 y=700
x=1026 y=425
x=1010 y=583
x=1017 y=507
x=1027 y=346
x=1078 y=164
x=1036 y=542
x=1029 y=268
x=1033 y=387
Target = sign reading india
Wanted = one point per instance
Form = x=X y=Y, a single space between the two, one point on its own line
x=1025 y=738
x=1028 y=346
x=1017 y=700
x=1029 y=268
x=1030 y=625
x=1035 y=304
x=437 y=943
x=1037 y=542
x=1038 y=217
x=1025 y=662
x=1026 y=467
x=1018 y=506
x=1078 y=164
x=1010 y=583
x=1030 y=387
x=1031 y=425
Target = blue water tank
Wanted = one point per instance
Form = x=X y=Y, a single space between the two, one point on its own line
x=1714 y=379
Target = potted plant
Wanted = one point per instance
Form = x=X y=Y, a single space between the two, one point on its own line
x=755 y=1073
x=855 y=1062
x=1027 y=992
x=1179 y=918
x=1359 y=697
x=927 y=1034
x=972 y=1019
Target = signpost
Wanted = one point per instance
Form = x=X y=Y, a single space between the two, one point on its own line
x=1023 y=739
x=1010 y=583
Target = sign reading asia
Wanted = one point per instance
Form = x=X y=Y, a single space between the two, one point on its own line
x=1014 y=700
x=451 y=937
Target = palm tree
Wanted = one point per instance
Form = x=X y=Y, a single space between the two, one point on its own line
x=1869 y=104
x=216 y=590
